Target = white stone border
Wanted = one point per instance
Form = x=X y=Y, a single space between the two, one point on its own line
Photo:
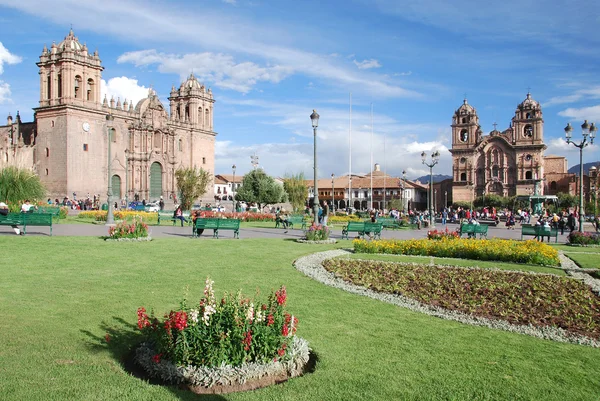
x=323 y=241
x=312 y=266
x=224 y=375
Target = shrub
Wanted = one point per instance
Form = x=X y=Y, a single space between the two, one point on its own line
x=317 y=232
x=100 y=215
x=342 y=218
x=575 y=237
x=531 y=252
x=233 y=331
x=243 y=216
x=137 y=229
x=435 y=234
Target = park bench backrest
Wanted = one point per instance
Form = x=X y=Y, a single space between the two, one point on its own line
x=356 y=226
x=38 y=218
x=12 y=218
x=229 y=223
x=207 y=223
x=372 y=227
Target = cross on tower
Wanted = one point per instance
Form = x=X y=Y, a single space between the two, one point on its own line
x=495 y=125
x=254 y=161
x=528 y=89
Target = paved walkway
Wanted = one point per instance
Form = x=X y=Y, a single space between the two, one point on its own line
x=97 y=230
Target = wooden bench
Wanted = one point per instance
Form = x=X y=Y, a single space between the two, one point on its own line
x=12 y=219
x=37 y=219
x=389 y=222
x=216 y=225
x=539 y=231
x=167 y=215
x=292 y=220
x=362 y=227
x=473 y=229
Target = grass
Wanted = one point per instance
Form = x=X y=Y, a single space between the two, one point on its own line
x=576 y=249
x=60 y=295
x=455 y=262
x=585 y=260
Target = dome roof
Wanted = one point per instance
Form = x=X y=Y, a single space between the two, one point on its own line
x=192 y=83
x=529 y=102
x=70 y=43
x=466 y=108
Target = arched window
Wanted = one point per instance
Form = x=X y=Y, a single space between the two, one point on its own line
x=495 y=171
x=90 y=89
x=528 y=175
x=528 y=131
x=77 y=87
x=49 y=87
x=113 y=135
x=206 y=119
x=528 y=116
x=46 y=171
x=200 y=115
x=464 y=120
x=463 y=176
x=180 y=145
x=553 y=185
x=47 y=152
x=59 y=78
x=187 y=112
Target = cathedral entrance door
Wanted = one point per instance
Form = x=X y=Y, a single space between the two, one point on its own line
x=155 y=181
x=116 y=186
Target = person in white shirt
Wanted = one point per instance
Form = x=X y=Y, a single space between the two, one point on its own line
x=4 y=212
x=26 y=207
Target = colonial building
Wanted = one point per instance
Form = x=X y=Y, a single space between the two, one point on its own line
x=67 y=144
x=504 y=163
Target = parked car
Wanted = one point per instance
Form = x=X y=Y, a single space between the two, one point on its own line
x=139 y=206
x=152 y=207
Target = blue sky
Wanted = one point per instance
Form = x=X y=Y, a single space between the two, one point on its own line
x=269 y=63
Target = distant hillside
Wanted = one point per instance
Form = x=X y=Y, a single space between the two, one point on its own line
x=586 y=167
x=436 y=178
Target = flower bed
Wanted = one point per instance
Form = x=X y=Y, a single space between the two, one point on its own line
x=243 y=216
x=222 y=343
x=100 y=215
x=343 y=218
x=436 y=234
x=542 y=300
x=577 y=238
x=123 y=230
x=530 y=252
x=317 y=232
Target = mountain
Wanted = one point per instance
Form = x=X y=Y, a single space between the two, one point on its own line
x=586 y=168
x=436 y=178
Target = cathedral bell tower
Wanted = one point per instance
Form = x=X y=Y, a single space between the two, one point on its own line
x=192 y=104
x=69 y=75
x=466 y=131
x=527 y=123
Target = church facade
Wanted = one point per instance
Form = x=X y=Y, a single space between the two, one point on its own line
x=503 y=163
x=67 y=144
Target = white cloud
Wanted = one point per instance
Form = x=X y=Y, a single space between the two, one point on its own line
x=4 y=92
x=578 y=95
x=367 y=64
x=123 y=88
x=218 y=69
x=591 y=113
x=8 y=58
x=230 y=1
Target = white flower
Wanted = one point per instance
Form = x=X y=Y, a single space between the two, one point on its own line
x=250 y=313
x=259 y=316
x=194 y=315
x=208 y=310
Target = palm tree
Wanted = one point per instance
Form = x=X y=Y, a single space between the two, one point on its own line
x=19 y=184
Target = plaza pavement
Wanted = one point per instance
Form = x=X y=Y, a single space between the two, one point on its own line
x=168 y=231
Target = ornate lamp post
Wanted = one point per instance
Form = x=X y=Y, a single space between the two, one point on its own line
x=314 y=117
x=110 y=219
x=435 y=158
x=586 y=129
x=332 y=194
x=402 y=193
x=233 y=190
x=446 y=199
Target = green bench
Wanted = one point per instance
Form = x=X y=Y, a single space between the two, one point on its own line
x=539 y=231
x=389 y=222
x=27 y=219
x=167 y=215
x=297 y=220
x=473 y=229
x=362 y=228
x=217 y=225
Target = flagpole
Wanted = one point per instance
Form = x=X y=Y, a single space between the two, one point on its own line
x=350 y=205
x=372 y=167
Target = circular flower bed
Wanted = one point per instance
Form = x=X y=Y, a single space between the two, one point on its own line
x=217 y=347
x=324 y=241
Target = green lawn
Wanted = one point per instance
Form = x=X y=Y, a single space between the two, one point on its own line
x=60 y=295
x=455 y=262
x=585 y=260
x=577 y=249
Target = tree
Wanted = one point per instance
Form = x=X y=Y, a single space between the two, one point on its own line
x=566 y=201
x=19 y=184
x=296 y=190
x=259 y=188
x=191 y=185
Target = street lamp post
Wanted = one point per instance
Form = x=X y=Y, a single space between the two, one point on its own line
x=586 y=129
x=233 y=190
x=446 y=199
x=314 y=117
x=435 y=158
x=402 y=193
x=110 y=219
x=332 y=194
x=434 y=199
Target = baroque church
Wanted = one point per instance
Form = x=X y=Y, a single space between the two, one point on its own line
x=506 y=163
x=67 y=144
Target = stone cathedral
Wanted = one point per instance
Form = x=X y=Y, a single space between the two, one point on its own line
x=504 y=163
x=67 y=143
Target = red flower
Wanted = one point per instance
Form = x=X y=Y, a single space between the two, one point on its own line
x=281 y=296
x=263 y=307
x=107 y=337
x=247 y=340
x=285 y=330
x=281 y=352
x=142 y=318
x=156 y=358
x=270 y=319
